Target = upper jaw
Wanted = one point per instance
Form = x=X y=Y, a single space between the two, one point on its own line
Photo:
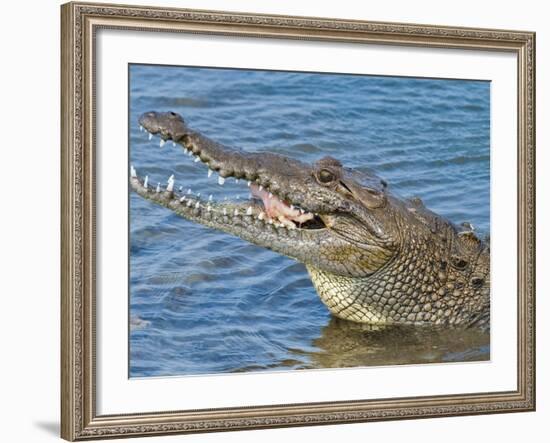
x=281 y=204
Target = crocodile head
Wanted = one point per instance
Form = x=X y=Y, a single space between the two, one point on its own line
x=327 y=216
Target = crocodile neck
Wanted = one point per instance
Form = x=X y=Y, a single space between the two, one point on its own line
x=448 y=286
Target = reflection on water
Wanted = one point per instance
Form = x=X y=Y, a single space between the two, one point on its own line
x=203 y=302
x=346 y=344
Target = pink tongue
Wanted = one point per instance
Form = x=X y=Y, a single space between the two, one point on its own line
x=275 y=207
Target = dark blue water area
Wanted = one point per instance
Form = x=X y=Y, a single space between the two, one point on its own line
x=204 y=302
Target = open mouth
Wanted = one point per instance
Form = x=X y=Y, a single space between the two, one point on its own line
x=263 y=204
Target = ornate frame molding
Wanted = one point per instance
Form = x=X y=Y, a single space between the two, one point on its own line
x=79 y=420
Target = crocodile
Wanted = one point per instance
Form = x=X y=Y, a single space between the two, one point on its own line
x=373 y=257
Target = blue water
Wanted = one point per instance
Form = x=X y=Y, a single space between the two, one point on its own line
x=205 y=302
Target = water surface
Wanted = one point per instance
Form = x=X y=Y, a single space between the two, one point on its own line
x=204 y=302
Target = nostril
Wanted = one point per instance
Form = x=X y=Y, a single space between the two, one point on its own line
x=173 y=114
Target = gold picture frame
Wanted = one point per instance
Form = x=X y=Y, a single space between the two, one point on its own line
x=80 y=21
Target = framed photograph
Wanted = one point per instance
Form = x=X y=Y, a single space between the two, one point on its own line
x=282 y=221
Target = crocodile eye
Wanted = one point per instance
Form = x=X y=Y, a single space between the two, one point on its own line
x=326 y=176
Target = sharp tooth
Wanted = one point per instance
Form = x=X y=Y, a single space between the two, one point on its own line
x=270 y=195
x=261 y=187
x=158 y=187
x=150 y=136
x=146 y=181
x=248 y=183
x=162 y=142
x=140 y=128
x=236 y=180
x=302 y=211
x=189 y=152
x=198 y=194
x=261 y=216
x=270 y=221
x=197 y=205
x=221 y=180
x=208 y=208
x=173 y=143
x=197 y=159
x=189 y=203
x=249 y=210
x=189 y=191
x=210 y=172
x=236 y=212
x=292 y=207
x=210 y=198
x=133 y=172
x=182 y=199
x=170 y=186
x=181 y=188
x=224 y=211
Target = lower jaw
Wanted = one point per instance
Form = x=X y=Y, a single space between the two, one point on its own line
x=210 y=212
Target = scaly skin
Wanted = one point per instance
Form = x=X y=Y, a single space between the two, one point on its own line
x=372 y=257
